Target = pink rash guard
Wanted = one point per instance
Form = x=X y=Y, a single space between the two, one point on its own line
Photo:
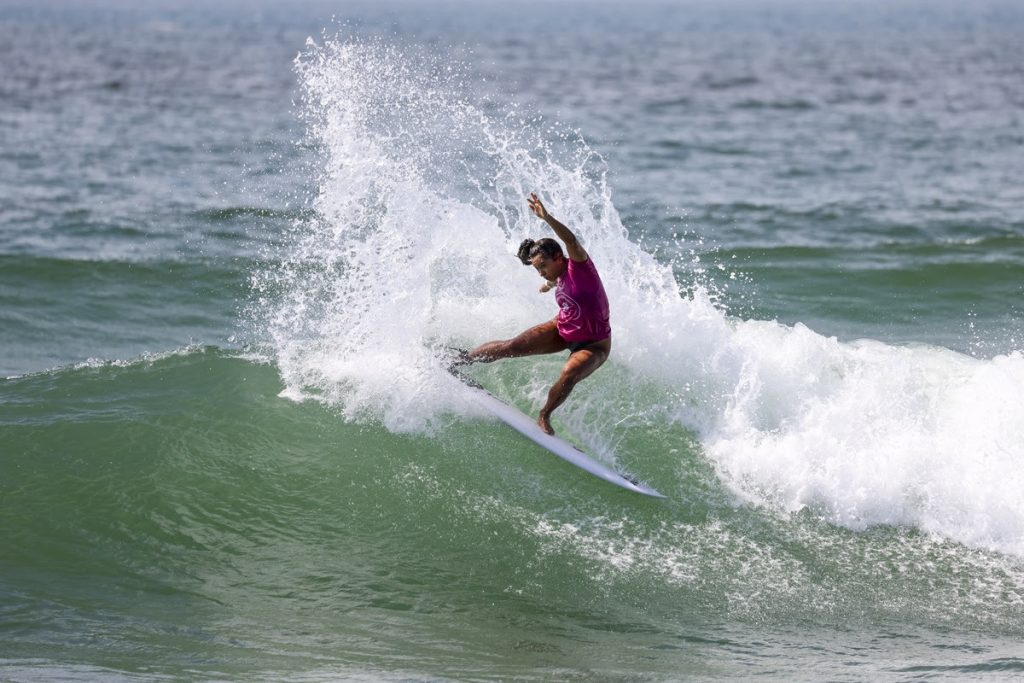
x=582 y=304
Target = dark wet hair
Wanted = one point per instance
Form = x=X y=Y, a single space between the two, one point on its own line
x=545 y=245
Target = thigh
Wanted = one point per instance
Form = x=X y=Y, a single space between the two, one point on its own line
x=541 y=338
x=583 y=362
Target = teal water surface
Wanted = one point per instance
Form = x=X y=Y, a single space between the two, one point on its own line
x=175 y=517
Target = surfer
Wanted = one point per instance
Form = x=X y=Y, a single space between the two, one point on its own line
x=581 y=325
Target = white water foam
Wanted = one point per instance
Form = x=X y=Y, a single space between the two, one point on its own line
x=421 y=205
x=866 y=433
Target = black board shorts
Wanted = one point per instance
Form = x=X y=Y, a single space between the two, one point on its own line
x=580 y=345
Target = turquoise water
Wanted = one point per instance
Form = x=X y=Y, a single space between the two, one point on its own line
x=229 y=257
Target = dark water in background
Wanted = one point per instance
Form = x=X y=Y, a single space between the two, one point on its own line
x=193 y=234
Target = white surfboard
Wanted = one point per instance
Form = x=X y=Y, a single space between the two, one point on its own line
x=560 y=447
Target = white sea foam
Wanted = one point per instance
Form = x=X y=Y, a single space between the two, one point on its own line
x=420 y=208
x=866 y=434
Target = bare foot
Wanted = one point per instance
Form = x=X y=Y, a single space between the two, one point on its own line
x=545 y=424
x=457 y=357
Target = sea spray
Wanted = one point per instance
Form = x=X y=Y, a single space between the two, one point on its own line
x=418 y=214
x=419 y=208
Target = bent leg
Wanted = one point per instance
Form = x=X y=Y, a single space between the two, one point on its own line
x=538 y=339
x=580 y=365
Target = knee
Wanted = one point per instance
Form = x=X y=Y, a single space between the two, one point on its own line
x=573 y=373
x=569 y=377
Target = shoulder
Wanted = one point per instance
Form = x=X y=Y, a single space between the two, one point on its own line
x=576 y=251
x=578 y=254
x=584 y=266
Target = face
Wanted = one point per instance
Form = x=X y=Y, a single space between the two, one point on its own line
x=549 y=269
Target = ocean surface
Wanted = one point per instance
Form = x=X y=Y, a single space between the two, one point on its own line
x=235 y=238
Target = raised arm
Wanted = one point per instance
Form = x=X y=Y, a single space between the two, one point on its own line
x=576 y=251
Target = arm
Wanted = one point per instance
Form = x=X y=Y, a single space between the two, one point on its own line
x=576 y=251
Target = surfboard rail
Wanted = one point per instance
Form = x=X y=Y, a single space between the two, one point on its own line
x=526 y=426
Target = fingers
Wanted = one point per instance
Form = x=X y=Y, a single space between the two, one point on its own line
x=535 y=204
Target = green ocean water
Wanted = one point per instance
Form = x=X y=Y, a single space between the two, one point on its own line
x=173 y=516
x=230 y=258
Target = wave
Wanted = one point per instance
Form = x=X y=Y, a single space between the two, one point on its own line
x=418 y=213
x=60 y=309
x=185 y=477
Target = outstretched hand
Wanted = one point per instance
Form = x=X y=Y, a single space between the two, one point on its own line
x=576 y=251
x=534 y=201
